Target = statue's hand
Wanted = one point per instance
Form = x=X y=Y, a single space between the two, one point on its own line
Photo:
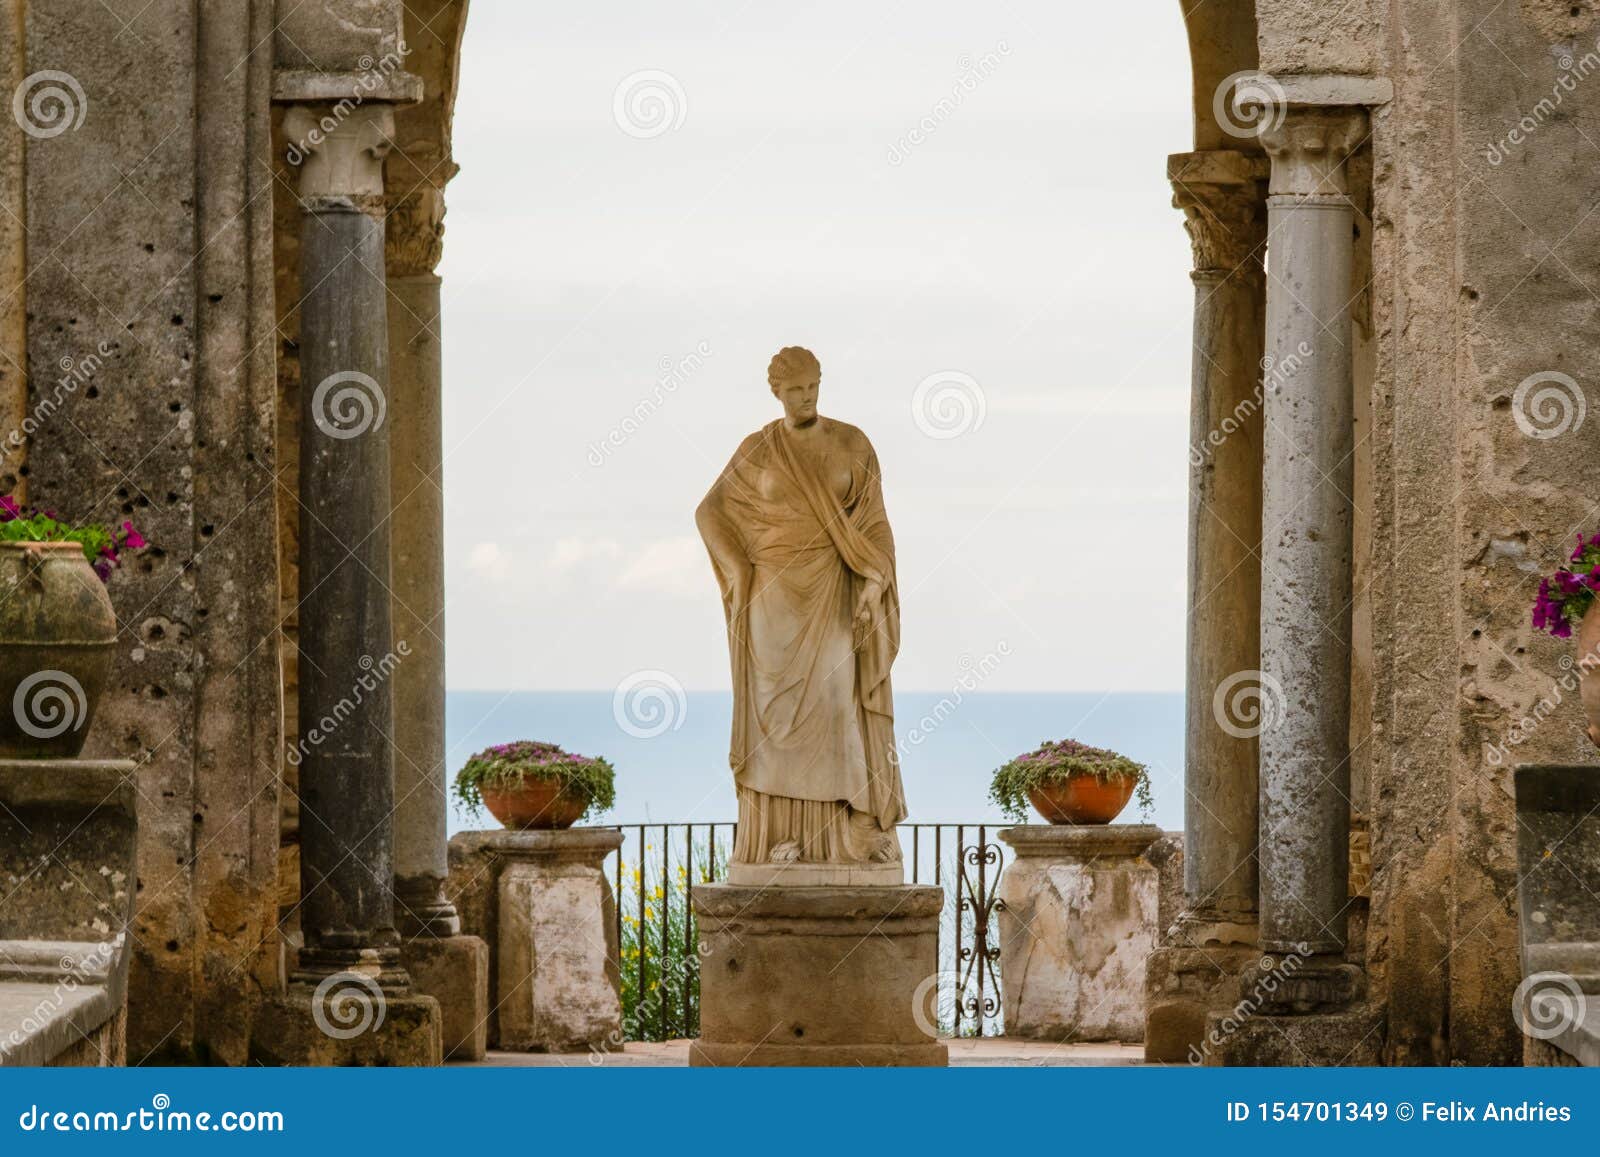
x=867 y=608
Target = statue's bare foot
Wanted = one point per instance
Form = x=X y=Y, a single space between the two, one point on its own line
x=785 y=853
x=883 y=851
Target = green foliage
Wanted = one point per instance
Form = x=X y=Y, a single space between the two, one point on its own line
x=660 y=970
x=506 y=765
x=1055 y=761
x=102 y=545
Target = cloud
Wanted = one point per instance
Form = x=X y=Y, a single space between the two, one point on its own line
x=672 y=566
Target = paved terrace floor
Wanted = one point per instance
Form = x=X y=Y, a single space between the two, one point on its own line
x=986 y=1052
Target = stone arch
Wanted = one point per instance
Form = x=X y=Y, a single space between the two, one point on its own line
x=1222 y=41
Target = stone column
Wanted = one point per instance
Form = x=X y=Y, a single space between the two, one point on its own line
x=1223 y=197
x=350 y=965
x=1306 y=538
x=416 y=525
x=347 y=765
x=452 y=968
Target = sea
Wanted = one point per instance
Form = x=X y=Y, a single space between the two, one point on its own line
x=673 y=767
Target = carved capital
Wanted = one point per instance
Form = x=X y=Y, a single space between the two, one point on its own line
x=414 y=233
x=1222 y=193
x=340 y=151
x=1226 y=223
x=1309 y=148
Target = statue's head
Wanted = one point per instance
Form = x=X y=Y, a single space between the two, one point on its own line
x=795 y=375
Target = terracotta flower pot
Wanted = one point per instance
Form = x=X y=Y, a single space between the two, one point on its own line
x=533 y=803
x=1588 y=644
x=58 y=634
x=1081 y=798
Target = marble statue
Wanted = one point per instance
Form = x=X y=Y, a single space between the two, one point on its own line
x=804 y=556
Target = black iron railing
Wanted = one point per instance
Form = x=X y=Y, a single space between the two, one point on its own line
x=659 y=957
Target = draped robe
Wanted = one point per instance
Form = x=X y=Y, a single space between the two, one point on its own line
x=796 y=529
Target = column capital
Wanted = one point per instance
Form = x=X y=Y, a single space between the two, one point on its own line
x=414 y=237
x=1223 y=197
x=340 y=151
x=1309 y=146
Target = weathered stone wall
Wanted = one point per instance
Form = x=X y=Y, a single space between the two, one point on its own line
x=147 y=286
x=13 y=251
x=1479 y=279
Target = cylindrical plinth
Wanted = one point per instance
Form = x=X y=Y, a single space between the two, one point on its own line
x=817 y=975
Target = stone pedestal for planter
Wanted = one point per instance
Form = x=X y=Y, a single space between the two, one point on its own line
x=822 y=975
x=541 y=901
x=1076 y=929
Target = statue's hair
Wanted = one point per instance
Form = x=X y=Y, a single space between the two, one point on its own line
x=790 y=362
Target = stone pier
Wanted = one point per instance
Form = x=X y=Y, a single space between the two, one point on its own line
x=1077 y=926
x=542 y=903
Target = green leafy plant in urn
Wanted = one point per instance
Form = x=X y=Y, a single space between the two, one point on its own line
x=530 y=785
x=58 y=632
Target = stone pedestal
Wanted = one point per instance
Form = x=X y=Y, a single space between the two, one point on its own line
x=1077 y=925
x=454 y=970
x=347 y=1019
x=1184 y=984
x=1293 y=1009
x=817 y=975
x=541 y=902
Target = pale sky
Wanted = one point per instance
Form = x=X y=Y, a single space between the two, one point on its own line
x=1025 y=251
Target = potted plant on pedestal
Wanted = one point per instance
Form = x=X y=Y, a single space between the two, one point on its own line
x=1070 y=783
x=1566 y=601
x=529 y=784
x=58 y=632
